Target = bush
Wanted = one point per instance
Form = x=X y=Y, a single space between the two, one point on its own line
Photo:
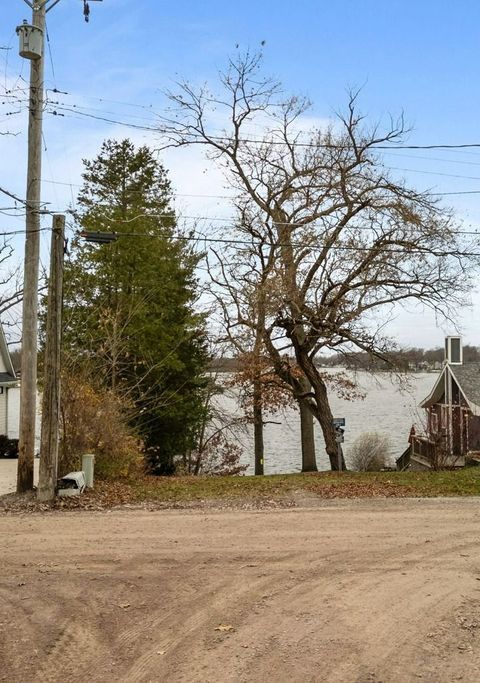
x=94 y=421
x=370 y=452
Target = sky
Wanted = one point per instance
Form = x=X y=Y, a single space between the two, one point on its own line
x=419 y=58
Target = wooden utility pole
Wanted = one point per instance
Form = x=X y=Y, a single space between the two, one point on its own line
x=52 y=366
x=28 y=380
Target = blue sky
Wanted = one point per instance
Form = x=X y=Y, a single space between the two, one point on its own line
x=416 y=57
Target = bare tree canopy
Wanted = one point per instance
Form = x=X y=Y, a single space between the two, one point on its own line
x=10 y=289
x=337 y=242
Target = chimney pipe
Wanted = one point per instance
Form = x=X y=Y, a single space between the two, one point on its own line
x=453 y=350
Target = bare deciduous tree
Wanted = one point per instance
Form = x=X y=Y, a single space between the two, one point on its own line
x=349 y=241
x=11 y=292
x=242 y=275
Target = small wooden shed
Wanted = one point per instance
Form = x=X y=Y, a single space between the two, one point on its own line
x=451 y=435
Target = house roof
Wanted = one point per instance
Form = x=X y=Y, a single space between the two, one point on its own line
x=468 y=379
x=6 y=378
x=8 y=375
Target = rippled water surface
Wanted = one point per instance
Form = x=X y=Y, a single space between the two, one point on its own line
x=386 y=408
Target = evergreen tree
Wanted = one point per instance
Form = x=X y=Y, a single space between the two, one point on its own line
x=129 y=303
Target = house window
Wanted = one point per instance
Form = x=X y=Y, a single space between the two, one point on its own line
x=1 y=391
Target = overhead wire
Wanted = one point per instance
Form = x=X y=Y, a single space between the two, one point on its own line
x=200 y=237
x=50 y=53
x=442 y=160
x=225 y=220
x=149 y=107
x=222 y=196
x=12 y=196
x=388 y=147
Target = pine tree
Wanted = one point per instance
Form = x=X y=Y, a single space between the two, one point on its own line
x=129 y=303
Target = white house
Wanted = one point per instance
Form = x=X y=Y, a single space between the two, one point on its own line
x=9 y=393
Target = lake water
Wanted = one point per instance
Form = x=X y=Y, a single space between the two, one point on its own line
x=386 y=409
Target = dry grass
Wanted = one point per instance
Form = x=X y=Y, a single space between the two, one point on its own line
x=269 y=491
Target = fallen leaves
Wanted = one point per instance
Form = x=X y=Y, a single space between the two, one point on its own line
x=224 y=628
x=250 y=493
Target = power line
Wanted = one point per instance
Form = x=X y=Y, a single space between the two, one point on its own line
x=5 y=212
x=158 y=129
x=446 y=175
x=20 y=232
x=78 y=114
x=231 y=241
x=226 y=221
x=443 y=160
x=224 y=196
x=79 y=108
x=390 y=147
x=12 y=196
x=446 y=194
x=386 y=148
x=50 y=52
x=303 y=245
x=232 y=223
x=103 y=99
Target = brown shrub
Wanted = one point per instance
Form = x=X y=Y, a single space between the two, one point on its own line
x=94 y=421
x=369 y=452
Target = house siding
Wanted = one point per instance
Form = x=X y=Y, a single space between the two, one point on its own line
x=3 y=412
x=474 y=433
x=13 y=415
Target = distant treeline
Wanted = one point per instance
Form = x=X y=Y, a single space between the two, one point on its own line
x=408 y=359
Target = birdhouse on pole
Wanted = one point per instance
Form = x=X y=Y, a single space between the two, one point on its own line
x=31 y=41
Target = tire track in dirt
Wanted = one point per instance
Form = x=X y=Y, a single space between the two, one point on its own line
x=411 y=599
x=345 y=595
x=179 y=626
x=389 y=614
x=69 y=657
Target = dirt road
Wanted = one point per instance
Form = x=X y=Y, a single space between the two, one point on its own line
x=351 y=591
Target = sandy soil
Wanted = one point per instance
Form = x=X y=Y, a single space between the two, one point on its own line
x=351 y=591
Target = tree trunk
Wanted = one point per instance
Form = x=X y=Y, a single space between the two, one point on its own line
x=325 y=418
x=258 y=426
x=321 y=409
x=309 y=463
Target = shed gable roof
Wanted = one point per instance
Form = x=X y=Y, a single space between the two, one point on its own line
x=468 y=379
x=437 y=390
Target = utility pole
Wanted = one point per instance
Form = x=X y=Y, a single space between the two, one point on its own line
x=51 y=390
x=32 y=47
x=28 y=380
